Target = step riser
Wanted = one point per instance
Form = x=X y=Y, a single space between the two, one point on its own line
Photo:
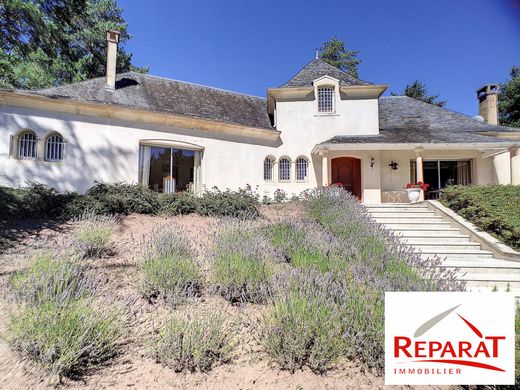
x=406 y=214
x=484 y=271
x=415 y=221
x=433 y=241
x=455 y=256
x=502 y=286
x=436 y=248
x=404 y=234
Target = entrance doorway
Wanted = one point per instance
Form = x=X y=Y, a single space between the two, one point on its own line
x=346 y=171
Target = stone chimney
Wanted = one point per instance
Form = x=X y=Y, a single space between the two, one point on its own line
x=488 y=103
x=112 y=42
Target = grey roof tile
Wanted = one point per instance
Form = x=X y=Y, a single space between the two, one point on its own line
x=145 y=92
x=318 y=68
x=406 y=120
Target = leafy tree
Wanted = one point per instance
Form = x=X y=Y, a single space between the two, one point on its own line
x=46 y=43
x=509 y=100
x=335 y=53
x=418 y=90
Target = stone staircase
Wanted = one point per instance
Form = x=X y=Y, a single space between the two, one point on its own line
x=429 y=234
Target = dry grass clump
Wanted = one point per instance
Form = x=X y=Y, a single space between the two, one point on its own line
x=93 y=236
x=242 y=264
x=192 y=343
x=169 y=268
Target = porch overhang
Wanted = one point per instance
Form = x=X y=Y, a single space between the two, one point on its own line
x=482 y=146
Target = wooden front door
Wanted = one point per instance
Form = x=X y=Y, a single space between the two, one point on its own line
x=347 y=171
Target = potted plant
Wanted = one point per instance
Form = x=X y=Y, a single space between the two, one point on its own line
x=414 y=190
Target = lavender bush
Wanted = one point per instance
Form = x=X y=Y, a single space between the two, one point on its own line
x=332 y=304
x=94 y=234
x=192 y=343
x=304 y=326
x=241 y=269
x=169 y=268
x=52 y=278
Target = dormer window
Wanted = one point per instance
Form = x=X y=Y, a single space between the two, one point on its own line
x=325 y=99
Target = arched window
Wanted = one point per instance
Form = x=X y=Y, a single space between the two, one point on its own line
x=325 y=99
x=27 y=145
x=284 y=170
x=268 y=169
x=301 y=169
x=54 y=148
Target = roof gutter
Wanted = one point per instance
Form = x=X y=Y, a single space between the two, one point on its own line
x=101 y=110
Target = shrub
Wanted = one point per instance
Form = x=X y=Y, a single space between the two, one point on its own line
x=65 y=339
x=192 y=343
x=241 y=271
x=93 y=237
x=240 y=204
x=304 y=326
x=34 y=201
x=179 y=204
x=50 y=278
x=495 y=209
x=169 y=269
x=121 y=198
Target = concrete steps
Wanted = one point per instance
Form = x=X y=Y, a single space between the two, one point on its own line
x=432 y=236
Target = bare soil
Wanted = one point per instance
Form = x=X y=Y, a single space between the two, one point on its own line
x=133 y=368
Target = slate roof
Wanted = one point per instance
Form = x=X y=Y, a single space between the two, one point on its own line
x=318 y=68
x=151 y=93
x=406 y=120
x=401 y=119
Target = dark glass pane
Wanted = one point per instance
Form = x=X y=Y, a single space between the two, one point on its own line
x=431 y=175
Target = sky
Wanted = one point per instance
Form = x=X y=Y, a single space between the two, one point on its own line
x=453 y=46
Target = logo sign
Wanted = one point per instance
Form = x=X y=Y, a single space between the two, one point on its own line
x=450 y=338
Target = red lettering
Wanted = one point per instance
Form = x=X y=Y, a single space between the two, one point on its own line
x=419 y=347
x=398 y=346
x=495 y=343
x=435 y=346
x=448 y=349
x=464 y=347
x=481 y=349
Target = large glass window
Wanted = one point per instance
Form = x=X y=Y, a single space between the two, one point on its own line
x=166 y=169
x=440 y=174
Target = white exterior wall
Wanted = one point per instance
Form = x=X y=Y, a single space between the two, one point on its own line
x=108 y=150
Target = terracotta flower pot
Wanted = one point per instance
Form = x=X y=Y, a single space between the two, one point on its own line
x=414 y=194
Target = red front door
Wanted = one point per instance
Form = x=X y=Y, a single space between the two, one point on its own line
x=347 y=171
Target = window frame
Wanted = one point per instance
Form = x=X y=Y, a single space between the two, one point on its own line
x=298 y=162
x=59 y=147
x=331 y=95
x=269 y=168
x=281 y=165
x=22 y=142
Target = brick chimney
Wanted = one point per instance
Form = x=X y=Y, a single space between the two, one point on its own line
x=112 y=42
x=488 y=103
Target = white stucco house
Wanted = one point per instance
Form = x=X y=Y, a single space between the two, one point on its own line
x=323 y=126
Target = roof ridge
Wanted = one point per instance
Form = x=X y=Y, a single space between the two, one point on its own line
x=195 y=84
